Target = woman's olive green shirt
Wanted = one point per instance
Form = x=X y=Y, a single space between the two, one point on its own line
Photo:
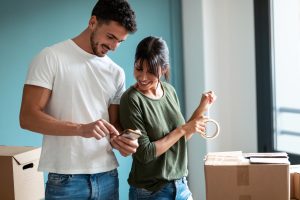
x=156 y=118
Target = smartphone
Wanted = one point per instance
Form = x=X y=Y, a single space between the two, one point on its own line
x=131 y=134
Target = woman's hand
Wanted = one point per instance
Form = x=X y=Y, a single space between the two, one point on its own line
x=207 y=99
x=195 y=125
x=124 y=145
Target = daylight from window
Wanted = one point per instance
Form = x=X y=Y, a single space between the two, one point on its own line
x=286 y=63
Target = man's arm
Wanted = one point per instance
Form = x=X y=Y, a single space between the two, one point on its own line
x=114 y=118
x=33 y=117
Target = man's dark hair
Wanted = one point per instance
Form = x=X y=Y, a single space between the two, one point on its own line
x=115 y=10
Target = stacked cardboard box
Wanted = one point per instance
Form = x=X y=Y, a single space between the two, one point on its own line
x=295 y=182
x=254 y=176
x=19 y=178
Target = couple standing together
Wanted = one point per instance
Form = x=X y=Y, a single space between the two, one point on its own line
x=74 y=95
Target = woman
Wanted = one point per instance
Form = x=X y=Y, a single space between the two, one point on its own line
x=159 y=167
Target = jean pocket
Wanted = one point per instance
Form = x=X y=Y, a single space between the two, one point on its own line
x=58 y=179
x=143 y=193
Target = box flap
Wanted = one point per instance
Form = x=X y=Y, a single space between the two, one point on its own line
x=295 y=168
x=239 y=158
x=22 y=154
x=266 y=155
x=268 y=158
x=28 y=156
x=226 y=158
x=269 y=161
x=14 y=150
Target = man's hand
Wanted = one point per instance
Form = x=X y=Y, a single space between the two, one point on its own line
x=124 y=145
x=97 y=129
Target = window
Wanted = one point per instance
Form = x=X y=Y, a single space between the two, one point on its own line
x=277 y=40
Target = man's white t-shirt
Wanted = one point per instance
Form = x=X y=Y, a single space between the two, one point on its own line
x=83 y=86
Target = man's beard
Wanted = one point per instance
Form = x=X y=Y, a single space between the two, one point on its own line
x=94 y=46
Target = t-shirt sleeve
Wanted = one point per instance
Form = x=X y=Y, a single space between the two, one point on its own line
x=175 y=97
x=120 y=88
x=42 y=70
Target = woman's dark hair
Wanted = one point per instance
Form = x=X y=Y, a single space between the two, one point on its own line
x=115 y=10
x=155 y=52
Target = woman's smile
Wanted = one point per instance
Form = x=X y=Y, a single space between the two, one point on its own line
x=144 y=83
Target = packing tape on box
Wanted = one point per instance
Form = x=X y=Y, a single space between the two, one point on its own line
x=243 y=180
x=242 y=175
x=245 y=197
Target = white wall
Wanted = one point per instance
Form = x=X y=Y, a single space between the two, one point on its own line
x=194 y=86
x=219 y=55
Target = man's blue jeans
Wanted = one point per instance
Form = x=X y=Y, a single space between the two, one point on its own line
x=177 y=189
x=104 y=186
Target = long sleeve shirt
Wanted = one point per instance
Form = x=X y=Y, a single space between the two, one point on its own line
x=155 y=118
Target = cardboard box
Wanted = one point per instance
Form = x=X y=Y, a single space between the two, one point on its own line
x=295 y=182
x=292 y=186
x=19 y=178
x=236 y=178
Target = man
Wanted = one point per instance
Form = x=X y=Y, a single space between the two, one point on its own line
x=71 y=96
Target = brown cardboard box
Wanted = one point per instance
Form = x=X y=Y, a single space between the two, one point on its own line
x=19 y=178
x=292 y=186
x=238 y=179
x=295 y=182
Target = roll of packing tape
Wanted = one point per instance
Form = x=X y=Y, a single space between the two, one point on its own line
x=217 y=129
